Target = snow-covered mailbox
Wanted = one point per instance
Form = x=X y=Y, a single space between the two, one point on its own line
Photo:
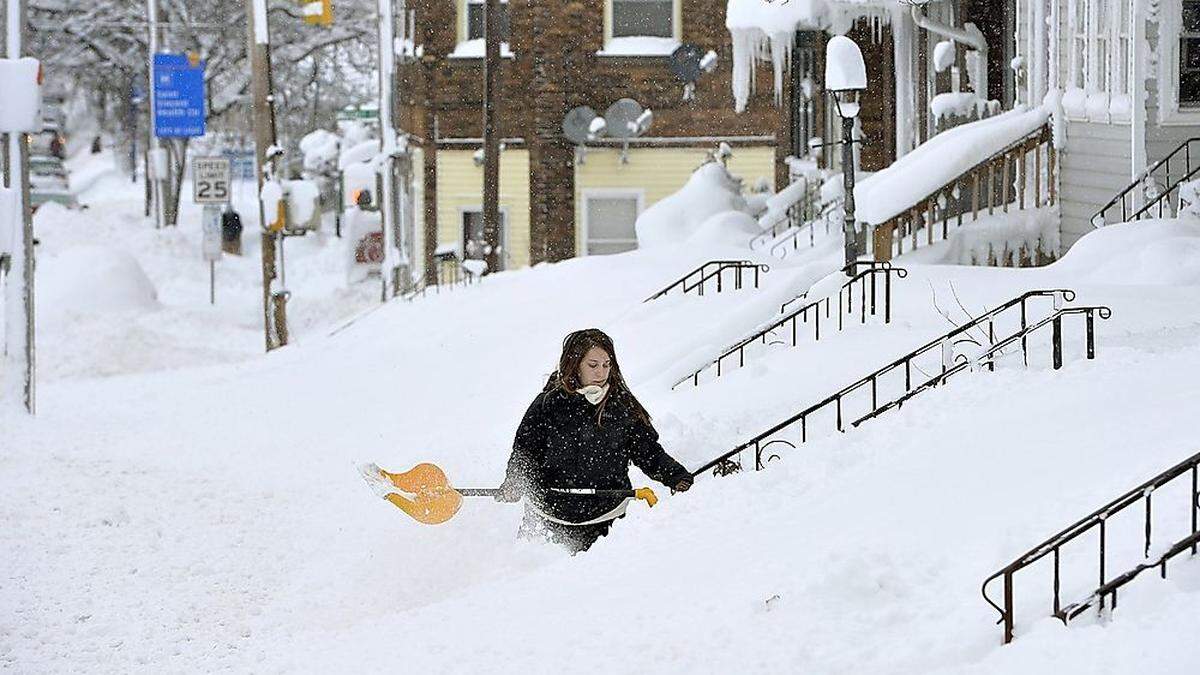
x=845 y=77
x=303 y=204
x=21 y=82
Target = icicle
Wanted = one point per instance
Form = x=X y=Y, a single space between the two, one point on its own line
x=781 y=49
x=742 y=79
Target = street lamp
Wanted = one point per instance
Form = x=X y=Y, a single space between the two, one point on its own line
x=845 y=77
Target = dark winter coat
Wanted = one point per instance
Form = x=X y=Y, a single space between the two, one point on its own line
x=560 y=445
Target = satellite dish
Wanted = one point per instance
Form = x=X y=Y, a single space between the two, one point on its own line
x=622 y=118
x=577 y=124
x=685 y=62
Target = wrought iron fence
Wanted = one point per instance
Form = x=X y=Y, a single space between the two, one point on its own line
x=951 y=364
x=1150 y=195
x=1098 y=520
x=714 y=271
x=864 y=284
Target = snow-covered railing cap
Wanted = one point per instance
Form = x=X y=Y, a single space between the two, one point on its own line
x=844 y=66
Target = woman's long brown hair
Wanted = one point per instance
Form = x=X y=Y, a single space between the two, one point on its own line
x=575 y=347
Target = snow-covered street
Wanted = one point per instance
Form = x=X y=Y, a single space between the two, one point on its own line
x=829 y=337
x=174 y=507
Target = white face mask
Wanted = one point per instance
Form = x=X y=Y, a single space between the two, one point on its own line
x=593 y=393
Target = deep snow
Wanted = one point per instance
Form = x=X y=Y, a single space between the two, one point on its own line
x=202 y=518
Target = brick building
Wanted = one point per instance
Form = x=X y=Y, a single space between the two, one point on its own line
x=557 y=202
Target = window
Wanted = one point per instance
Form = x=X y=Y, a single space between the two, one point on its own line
x=1122 y=76
x=1189 y=56
x=643 y=18
x=474 y=244
x=475 y=15
x=609 y=220
x=1078 y=23
x=1099 y=74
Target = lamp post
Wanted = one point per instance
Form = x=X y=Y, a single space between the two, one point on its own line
x=845 y=77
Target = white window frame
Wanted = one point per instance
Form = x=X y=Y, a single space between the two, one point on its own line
x=638 y=194
x=505 y=253
x=1170 y=27
x=473 y=49
x=1098 y=60
x=612 y=46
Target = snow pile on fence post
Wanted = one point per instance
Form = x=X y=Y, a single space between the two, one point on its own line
x=710 y=191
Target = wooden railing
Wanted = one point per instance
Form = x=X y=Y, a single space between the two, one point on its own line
x=1019 y=176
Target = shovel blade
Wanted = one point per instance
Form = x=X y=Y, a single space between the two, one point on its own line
x=433 y=501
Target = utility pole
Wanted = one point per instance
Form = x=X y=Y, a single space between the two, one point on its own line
x=19 y=355
x=155 y=166
x=491 y=142
x=267 y=153
x=393 y=254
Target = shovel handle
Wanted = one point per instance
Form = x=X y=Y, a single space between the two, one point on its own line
x=645 y=494
x=478 y=492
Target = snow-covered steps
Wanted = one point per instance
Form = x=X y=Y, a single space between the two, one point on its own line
x=924 y=368
x=1136 y=552
x=872 y=287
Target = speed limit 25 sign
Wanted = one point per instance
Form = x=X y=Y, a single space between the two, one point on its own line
x=210 y=180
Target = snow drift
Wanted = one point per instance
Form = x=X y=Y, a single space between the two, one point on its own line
x=95 y=278
x=711 y=191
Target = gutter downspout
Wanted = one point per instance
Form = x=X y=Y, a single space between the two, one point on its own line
x=969 y=35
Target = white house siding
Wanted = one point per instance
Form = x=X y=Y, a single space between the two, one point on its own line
x=1094 y=168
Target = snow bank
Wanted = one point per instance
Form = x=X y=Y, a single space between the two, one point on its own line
x=938 y=161
x=93 y=279
x=1158 y=252
x=711 y=190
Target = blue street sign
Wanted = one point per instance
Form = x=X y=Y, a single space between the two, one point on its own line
x=178 y=96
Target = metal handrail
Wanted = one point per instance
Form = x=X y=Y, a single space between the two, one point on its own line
x=845 y=298
x=796 y=215
x=988 y=357
x=1097 y=519
x=721 y=265
x=779 y=247
x=1100 y=217
x=905 y=361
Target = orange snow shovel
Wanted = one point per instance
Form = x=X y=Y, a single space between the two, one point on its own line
x=431 y=500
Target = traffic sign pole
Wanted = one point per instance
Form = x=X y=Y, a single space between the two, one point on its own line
x=152 y=141
x=20 y=316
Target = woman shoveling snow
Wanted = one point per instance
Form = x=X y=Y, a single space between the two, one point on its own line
x=571 y=456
